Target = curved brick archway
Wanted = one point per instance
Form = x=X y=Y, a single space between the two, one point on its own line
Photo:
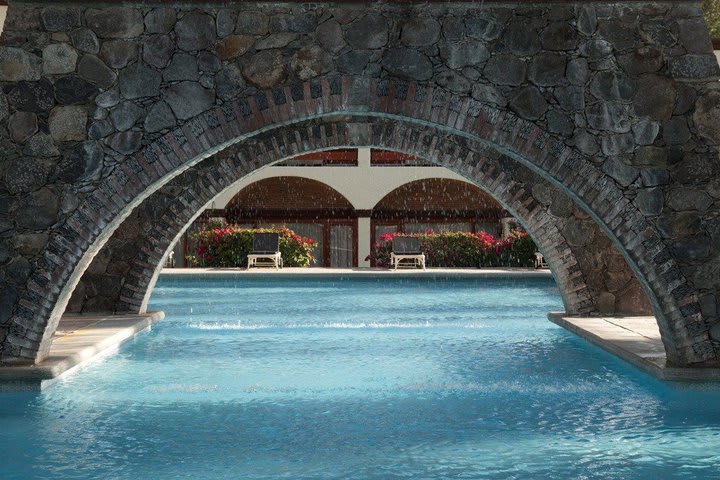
x=89 y=227
x=127 y=268
x=638 y=98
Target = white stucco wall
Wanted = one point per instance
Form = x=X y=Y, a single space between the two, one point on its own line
x=364 y=186
x=3 y=13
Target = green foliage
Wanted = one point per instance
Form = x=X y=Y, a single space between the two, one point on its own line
x=711 y=9
x=468 y=250
x=229 y=247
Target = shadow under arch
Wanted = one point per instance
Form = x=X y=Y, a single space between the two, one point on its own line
x=333 y=119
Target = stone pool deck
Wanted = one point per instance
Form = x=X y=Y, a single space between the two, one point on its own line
x=635 y=340
x=78 y=339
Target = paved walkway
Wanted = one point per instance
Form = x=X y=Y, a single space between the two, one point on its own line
x=635 y=340
x=78 y=339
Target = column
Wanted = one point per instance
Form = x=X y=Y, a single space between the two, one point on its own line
x=363 y=241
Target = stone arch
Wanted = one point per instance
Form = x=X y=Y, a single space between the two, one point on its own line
x=207 y=180
x=327 y=105
x=638 y=97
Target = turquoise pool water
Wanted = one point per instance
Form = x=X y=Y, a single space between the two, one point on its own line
x=371 y=379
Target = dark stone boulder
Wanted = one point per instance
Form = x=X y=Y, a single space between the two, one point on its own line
x=225 y=22
x=265 y=69
x=684 y=198
x=612 y=85
x=520 y=39
x=353 y=62
x=59 y=58
x=330 y=36
x=81 y=163
x=67 y=123
x=407 y=64
x=617 y=144
x=650 y=201
x=159 y=118
x=41 y=145
x=707 y=116
x=115 y=22
x=483 y=28
x=60 y=19
x=608 y=116
x=229 y=82
x=32 y=96
x=138 y=81
x=94 y=70
x=22 y=125
x=160 y=20
x=188 y=99
x=16 y=65
x=528 y=103
x=505 y=70
x=453 y=81
x=463 y=54
x=85 y=40
x=309 y=62
x=623 y=173
x=195 y=31
x=28 y=175
x=233 y=46
x=207 y=62
x=157 y=50
x=488 y=94
x=547 y=69
x=119 y=53
x=125 y=143
x=73 y=89
x=695 y=67
x=182 y=67
x=252 y=23
x=654 y=97
x=420 y=32
x=559 y=36
x=676 y=131
x=38 y=210
x=294 y=22
x=560 y=123
x=645 y=59
x=126 y=115
x=371 y=31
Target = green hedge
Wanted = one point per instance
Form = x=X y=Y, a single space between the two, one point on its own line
x=711 y=9
x=465 y=250
x=229 y=247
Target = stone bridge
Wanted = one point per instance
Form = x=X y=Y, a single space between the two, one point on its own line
x=595 y=123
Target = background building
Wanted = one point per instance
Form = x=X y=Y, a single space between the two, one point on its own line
x=346 y=199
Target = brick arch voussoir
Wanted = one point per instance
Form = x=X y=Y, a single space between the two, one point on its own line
x=75 y=243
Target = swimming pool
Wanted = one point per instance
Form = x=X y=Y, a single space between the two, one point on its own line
x=359 y=379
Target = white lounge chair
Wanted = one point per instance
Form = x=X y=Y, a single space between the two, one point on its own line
x=540 y=261
x=266 y=251
x=404 y=249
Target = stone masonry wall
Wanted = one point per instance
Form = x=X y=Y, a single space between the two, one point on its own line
x=616 y=104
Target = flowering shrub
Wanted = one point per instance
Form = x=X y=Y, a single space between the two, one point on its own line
x=229 y=247
x=460 y=249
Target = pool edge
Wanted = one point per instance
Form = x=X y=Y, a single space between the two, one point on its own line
x=640 y=349
x=99 y=335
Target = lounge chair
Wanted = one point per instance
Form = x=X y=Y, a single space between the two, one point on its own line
x=407 y=248
x=540 y=261
x=265 y=251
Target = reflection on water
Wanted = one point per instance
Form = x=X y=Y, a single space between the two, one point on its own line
x=371 y=379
